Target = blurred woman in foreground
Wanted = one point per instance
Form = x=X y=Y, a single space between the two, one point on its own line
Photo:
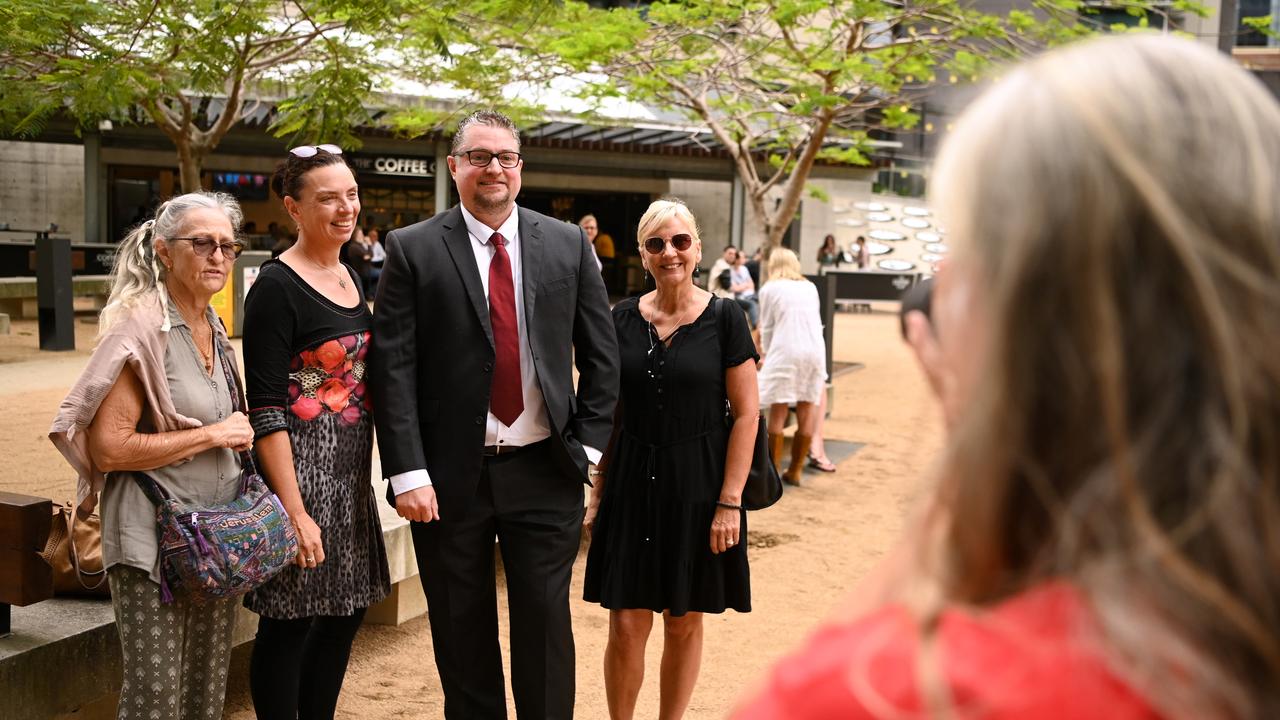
x=1105 y=533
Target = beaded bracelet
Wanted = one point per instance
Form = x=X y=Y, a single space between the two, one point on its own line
x=728 y=506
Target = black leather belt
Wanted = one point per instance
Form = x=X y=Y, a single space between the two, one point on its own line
x=504 y=450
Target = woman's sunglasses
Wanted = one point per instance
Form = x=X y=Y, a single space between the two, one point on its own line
x=306 y=151
x=204 y=247
x=680 y=242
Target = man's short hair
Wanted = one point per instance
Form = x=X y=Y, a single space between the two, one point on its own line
x=492 y=118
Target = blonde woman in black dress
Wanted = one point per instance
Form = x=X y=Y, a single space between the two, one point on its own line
x=668 y=529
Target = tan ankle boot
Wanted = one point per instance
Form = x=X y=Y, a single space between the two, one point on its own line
x=799 y=453
x=775 y=449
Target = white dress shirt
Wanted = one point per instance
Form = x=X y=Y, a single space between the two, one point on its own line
x=532 y=425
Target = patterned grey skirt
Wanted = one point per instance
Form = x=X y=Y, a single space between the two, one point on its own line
x=331 y=429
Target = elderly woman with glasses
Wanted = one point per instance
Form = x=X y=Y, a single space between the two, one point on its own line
x=155 y=397
x=306 y=336
x=668 y=528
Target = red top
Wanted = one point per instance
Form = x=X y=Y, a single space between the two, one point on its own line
x=1033 y=656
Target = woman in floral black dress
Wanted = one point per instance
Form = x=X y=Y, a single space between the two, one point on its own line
x=306 y=334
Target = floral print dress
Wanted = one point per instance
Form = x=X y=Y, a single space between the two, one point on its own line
x=305 y=372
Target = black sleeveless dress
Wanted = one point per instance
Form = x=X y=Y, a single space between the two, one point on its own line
x=651 y=545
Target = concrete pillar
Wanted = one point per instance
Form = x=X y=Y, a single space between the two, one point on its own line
x=737 y=210
x=53 y=293
x=1228 y=18
x=95 y=189
x=1273 y=41
x=442 y=177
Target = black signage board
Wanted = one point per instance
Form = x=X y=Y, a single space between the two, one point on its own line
x=403 y=166
x=855 y=285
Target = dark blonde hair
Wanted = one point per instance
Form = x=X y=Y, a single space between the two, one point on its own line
x=1125 y=435
x=784 y=265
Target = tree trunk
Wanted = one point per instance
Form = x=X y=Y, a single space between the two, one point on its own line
x=190 y=167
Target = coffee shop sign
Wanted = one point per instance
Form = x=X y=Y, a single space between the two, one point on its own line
x=388 y=165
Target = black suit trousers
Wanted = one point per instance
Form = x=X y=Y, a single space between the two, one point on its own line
x=535 y=511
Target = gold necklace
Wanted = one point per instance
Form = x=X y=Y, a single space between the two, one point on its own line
x=206 y=357
x=674 y=328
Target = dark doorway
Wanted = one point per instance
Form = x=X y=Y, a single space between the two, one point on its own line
x=617 y=213
x=388 y=202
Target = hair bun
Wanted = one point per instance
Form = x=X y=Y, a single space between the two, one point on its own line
x=277 y=179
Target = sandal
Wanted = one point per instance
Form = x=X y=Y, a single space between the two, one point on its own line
x=821 y=464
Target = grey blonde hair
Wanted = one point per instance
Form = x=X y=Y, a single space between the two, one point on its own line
x=1125 y=433
x=137 y=275
x=659 y=212
x=784 y=265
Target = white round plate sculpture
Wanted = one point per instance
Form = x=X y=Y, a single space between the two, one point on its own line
x=931 y=258
x=871 y=206
x=888 y=235
x=916 y=211
x=928 y=237
x=895 y=265
x=915 y=223
x=879 y=217
x=875 y=248
x=939 y=248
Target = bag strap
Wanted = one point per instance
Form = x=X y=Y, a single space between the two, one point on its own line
x=152 y=489
x=718 y=309
x=238 y=404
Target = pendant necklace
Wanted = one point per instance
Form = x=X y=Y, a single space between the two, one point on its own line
x=342 y=282
x=663 y=340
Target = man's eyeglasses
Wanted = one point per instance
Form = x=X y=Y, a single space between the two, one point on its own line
x=680 y=242
x=306 y=151
x=482 y=158
x=203 y=246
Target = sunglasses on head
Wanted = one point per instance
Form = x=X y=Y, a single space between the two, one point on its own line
x=306 y=151
x=680 y=242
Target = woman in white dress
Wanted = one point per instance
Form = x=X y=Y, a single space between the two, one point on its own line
x=793 y=361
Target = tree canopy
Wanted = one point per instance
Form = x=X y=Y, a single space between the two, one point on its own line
x=784 y=84
x=196 y=68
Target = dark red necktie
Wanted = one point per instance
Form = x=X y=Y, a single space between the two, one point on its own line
x=506 y=397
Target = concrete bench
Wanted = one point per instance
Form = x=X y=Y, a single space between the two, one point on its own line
x=63 y=659
x=18 y=294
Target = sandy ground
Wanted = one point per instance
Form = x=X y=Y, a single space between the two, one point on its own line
x=807 y=553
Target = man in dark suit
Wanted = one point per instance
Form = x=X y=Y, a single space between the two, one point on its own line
x=482 y=312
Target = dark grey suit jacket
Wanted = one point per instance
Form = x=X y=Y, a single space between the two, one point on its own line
x=432 y=352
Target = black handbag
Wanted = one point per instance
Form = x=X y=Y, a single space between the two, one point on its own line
x=764 y=486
